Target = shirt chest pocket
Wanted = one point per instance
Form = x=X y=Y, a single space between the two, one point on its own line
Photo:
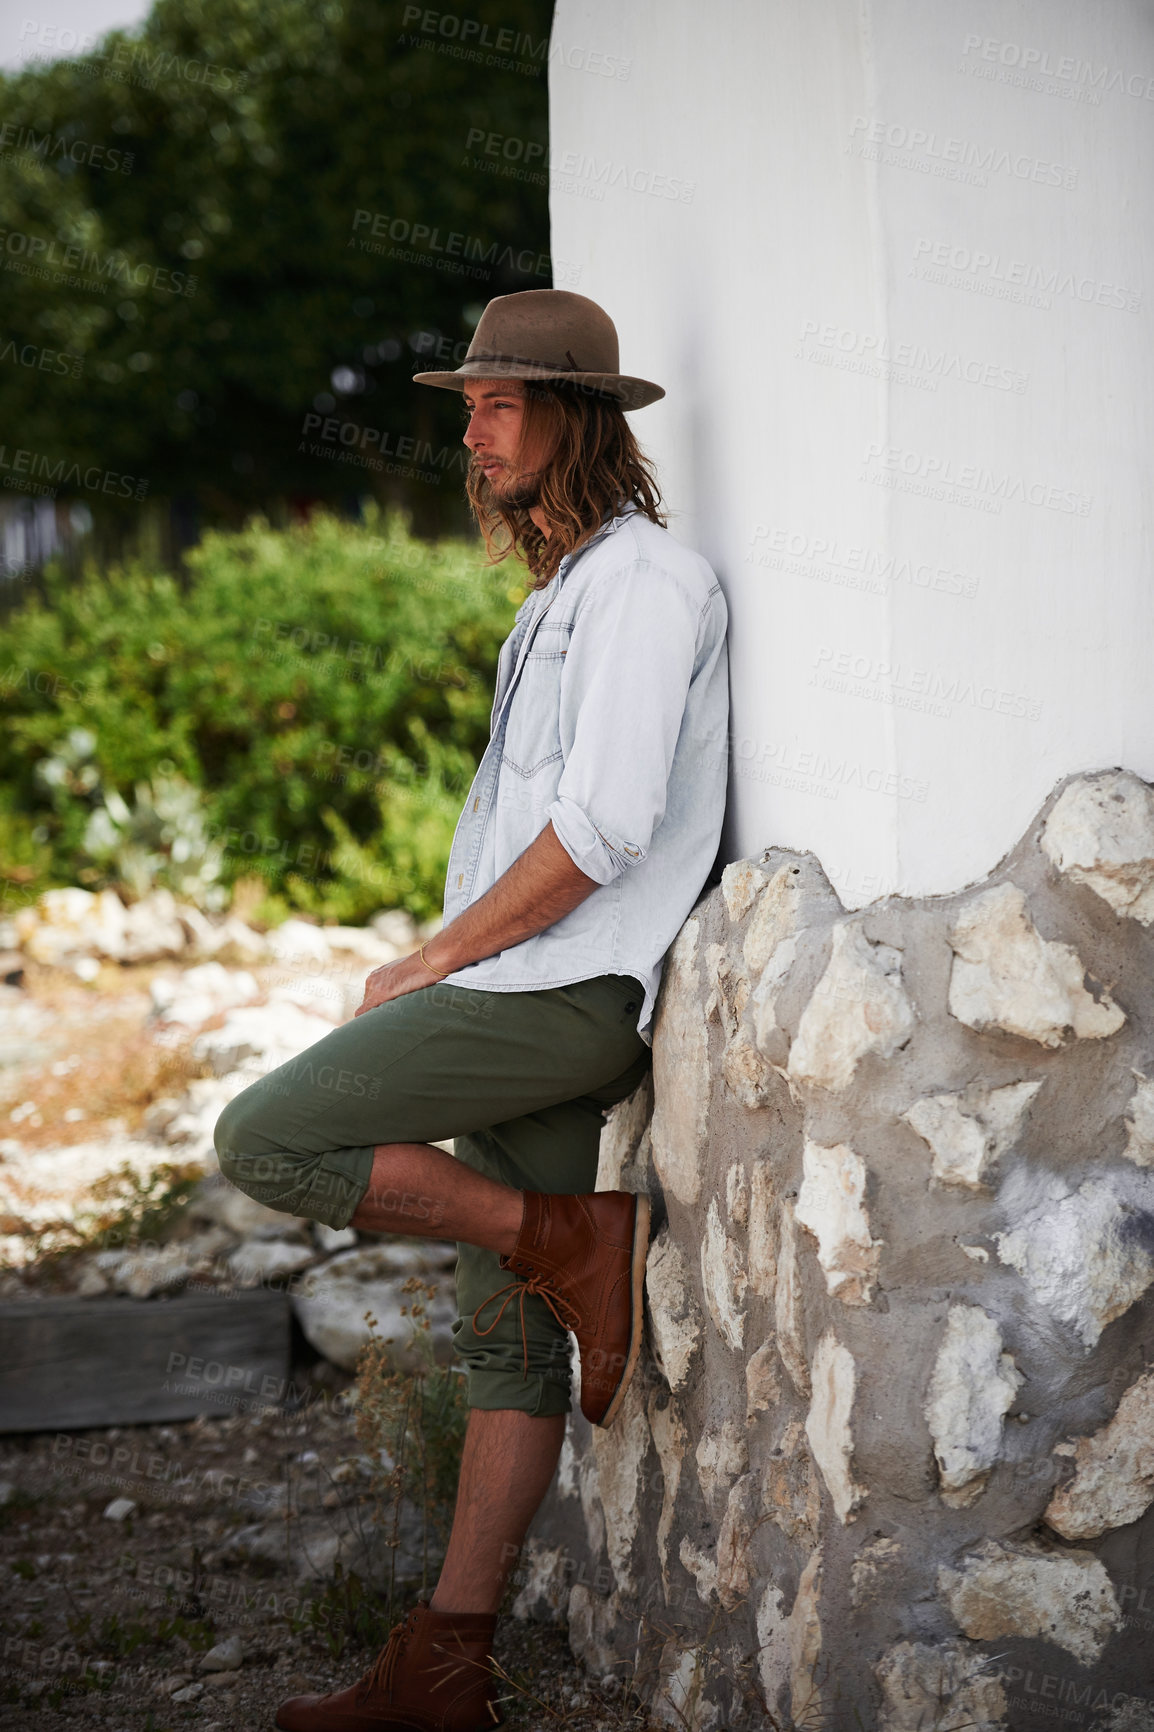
x=533 y=722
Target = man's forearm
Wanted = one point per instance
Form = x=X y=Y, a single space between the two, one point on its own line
x=539 y=888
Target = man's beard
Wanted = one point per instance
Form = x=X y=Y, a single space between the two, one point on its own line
x=522 y=494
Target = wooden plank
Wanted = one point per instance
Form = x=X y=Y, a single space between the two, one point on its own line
x=69 y=1363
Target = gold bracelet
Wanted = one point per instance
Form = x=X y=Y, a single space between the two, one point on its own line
x=428 y=965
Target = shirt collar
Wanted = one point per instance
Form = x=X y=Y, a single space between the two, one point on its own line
x=608 y=527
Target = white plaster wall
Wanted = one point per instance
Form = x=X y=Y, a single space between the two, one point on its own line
x=758 y=295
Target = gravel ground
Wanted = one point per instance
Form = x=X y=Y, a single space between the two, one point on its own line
x=105 y=1621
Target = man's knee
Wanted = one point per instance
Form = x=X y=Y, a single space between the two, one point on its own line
x=241 y=1149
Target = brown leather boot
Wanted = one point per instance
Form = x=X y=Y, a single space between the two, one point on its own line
x=585 y=1256
x=432 y=1675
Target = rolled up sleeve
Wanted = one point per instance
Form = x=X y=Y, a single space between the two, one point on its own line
x=627 y=674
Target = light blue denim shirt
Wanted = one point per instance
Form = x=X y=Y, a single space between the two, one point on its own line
x=611 y=719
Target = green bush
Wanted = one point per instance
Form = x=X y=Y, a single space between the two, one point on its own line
x=309 y=705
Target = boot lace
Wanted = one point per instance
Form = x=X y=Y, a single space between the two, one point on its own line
x=565 y=1313
x=380 y=1674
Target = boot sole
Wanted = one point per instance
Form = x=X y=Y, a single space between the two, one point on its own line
x=640 y=1254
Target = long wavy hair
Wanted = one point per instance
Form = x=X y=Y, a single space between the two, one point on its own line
x=596 y=467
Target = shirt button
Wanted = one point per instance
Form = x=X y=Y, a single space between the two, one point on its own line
x=476 y=802
x=460 y=879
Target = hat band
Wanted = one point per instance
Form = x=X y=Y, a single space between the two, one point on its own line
x=530 y=361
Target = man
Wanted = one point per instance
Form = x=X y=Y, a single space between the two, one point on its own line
x=588 y=834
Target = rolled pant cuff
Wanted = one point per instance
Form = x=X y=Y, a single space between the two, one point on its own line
x=325 y=1187
x=541 y=1397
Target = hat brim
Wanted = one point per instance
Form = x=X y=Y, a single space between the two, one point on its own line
x=629 y=392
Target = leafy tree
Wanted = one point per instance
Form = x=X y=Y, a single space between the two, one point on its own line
x=208 y=287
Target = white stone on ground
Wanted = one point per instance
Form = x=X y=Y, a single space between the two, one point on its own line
x=1007 y=977
x=199 y=993
x=858 y=1006
x=331 y=1302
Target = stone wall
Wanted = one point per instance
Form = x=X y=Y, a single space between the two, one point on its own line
x=889 y=1459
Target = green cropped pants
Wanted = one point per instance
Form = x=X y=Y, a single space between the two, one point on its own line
x=519 y=1080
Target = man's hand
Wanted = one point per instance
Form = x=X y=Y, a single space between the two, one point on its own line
x=539 y=888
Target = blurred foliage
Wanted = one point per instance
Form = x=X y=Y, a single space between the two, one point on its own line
x=217 y=291
x=309 y=707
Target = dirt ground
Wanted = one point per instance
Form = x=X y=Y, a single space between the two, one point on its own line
x=105 y=1621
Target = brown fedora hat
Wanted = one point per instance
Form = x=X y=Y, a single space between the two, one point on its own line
x=547 y=334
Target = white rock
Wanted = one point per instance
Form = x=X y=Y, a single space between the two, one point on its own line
x=194 y=1120
x=216 y=1200
x=225 y=1656
x=620 y=1453
x=779 y=915
x=968 y=1132
x=737 y=1194
x=676 y=1324
x=805 y=1644
x=119 y=1509
x=827 y=1424
x=702 y=1566
x=788 y=1306
x=831 y=1203
x=152 y=929
x=1007 y=977
x=762 y=1250
x=742 y=882
x=162 y=1268
x=1101 y=833
x=945 y=1685
x=858 y=1006
x=299 y=941
x=1140 y=1123
x=266 y=1259
x=190 y=998
x=244 y=939
x=272 y=1033
x=680 y=1699
x=773 y=1663
x=681 y=1079
x=543 y=1572
x=971 y=1389
x=598 y=1631
x=334 y=1238
x=876 y=1572
x=732 y=1571
x=623 y=1147
x=722 y=1455
x=1081 y=1256
x=331 y=1303
x=746 y=1073
x=397 y=927
x=669 y=1439
x=723 y=1279
x=762 y=1380
x=1113 y=1482
x=766 y=993
x=1002 y=1589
